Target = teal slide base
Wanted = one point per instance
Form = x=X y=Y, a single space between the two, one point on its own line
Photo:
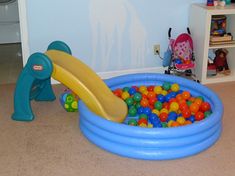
x=33 y=84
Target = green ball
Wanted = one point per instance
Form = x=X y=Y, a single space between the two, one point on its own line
x=158 y=105
x=137 y=97
x=201 y=97
x=207 y=113
x=189 y=103
x=132 y=122
x=166 y=86
x=141 y=116
x=129 y=101
x=69 y=98
x=132 y=112
x=164 y=125
x=125 y=89
x=137 y=105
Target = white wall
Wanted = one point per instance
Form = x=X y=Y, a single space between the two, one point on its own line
x=108 y=35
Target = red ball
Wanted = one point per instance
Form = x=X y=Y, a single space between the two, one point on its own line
x=152 y=100
x=199 y=116
x=150 y=88
x=205 y=106
x=163 y=116
x=186 y=113
x=183 y=106
x=118 y=92
x=136 y=88
x=166 y=105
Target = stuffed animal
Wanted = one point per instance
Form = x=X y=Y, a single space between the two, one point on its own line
x=220 y=61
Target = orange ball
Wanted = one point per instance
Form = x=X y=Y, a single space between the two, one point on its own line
x=175 y=124
x=151 y=95
x=186 y=95
x=144 y=102
x=194 y=107
x=198 y=101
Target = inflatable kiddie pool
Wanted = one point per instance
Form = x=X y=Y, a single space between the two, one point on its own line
x=154 y=143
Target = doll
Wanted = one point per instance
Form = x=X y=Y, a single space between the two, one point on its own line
x=220 y=61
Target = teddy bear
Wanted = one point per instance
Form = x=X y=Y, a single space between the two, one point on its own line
x=220 y=61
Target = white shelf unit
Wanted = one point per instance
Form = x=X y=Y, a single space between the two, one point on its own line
x=200 y=25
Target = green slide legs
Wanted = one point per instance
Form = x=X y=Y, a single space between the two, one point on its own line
x=33 y=84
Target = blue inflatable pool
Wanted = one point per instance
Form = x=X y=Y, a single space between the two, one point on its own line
x=154 y=143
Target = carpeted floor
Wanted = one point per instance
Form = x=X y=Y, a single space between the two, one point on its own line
x=52 y=145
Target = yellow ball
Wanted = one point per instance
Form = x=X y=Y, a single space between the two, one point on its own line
x=150 y=125
x=169 y=123
x=74 y=105
x=143 y=125
x=174 y=106
x=181 y=120
x=164 y=92
x=145 y=92
x=164 y=110
x=157 y=89
x=175 y=87
x=142 y=89
x=125 y=95
x=155 y=111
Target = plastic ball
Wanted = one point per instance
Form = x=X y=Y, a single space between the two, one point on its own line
x=142 y=89
x=147 y=110
x=155 y=111
x=152 y=100
x=132 y=112
x=164 y=110
x=137 y=105
x=158 y=105
x=198 y=101
x=205 y=106
x=74 y=105
x=140 y=110
x=166 y=86
x=132 y=122
x=164 y=125
x=161 y=98
x=144 y=102
x=153 y=117
x=126 y=89
x=142 y=121
x=151 y=95
x=174 y=106
x=199 y=116
x=194 y=108
x=125 y=95
x=150 y=88
x=163 y=116
x=129 y=101
x=175 y=87
x=186 y=113
x=192 y=118
x=164 y=92
x=186 y=95
x=157 y=89
x=207 y=113
x=141 y=116
x=175 y=124
x=172 y=116
x=137 y=97
x=118 y=92
x=181 y=120
x=132 y=91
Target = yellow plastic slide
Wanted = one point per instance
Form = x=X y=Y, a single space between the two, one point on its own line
x=84 y=82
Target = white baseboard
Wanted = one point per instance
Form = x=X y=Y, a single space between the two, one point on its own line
x=110 y=74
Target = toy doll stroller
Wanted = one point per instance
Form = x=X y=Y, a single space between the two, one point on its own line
x=179 y=58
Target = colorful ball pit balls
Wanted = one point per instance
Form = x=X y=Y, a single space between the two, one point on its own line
x=69 y=101
x=163 y=106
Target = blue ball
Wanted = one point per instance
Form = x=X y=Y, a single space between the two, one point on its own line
x=132 y=91
x=192 y=118
x=147 y=110
x=140 y=110
x=168 y=97
x=172 y=116
x=153 y=117
x=161 y=98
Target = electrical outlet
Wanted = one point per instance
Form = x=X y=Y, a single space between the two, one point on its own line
x=156 y=49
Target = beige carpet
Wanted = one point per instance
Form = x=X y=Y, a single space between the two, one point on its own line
x=52 y=145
